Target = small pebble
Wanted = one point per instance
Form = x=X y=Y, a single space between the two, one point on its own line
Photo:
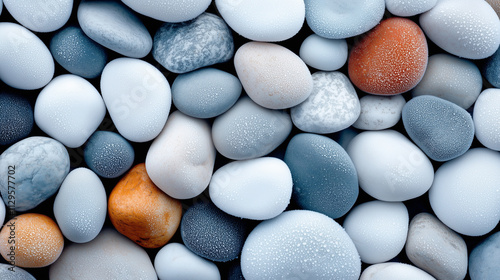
x=405 y=8
x=40 y=16
x=379 y=112
x=486 y=118
x=324 y=54
x=394 y=271
x=483 y=261
x=16 y=116
x=8 y=273
x=170 y=10
x=492 y=68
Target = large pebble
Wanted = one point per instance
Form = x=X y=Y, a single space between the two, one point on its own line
x=300 y=244
x=287 y=81
x=109 y=256
x=248 y=130
x=403 y=8
x=39 y=165
x=187 y=46
x=9 y=272
x=435 y=248
x=379 y=112
x=466 y=192
x=324 y=177
x=180 y=161
x=324 y=54
x=263 y=20
x=40 y=16
x=394 y=271
x=115 y=27
x=492 y=68
x=16 y=116
x=390 y=167
x=69 y=109
x=495 y=5
x=80 y=205
x=25 y=61
x=465 y=28
x=169 y=11
x=256 y=189
x=483 y=261
x=486 y=118
x=137 y=96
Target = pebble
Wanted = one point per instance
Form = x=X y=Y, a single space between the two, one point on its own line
x=69 y=109
x=394 y=271
x=263 y=20
x=403 y=8
x=40 y=16
x=454 y=79
x=495 y=5
x=26 y=62
x=108 y=154
x=379 y=112
x=39 y=164
x=248 y=130
x=187 y=46
x=137 y=96
x=324 y=177
x=3 y=213
x=205 y=93
x=141 y=211
x=300 y=244
x=80 y=205
x=486 y=118
x=435 y=248
x=180 y=161
x=211 y=233
x=442 y=129
x=472 y=23
x=324 y=54
x=16 y=116
x=483 y=261
x=338 y=19
x=38 y=241
x=332 y=106
x=169 y=11
x=77 y=53
x=175 y=261
x=390 y=167
x=6 y=272
x=257 y=189
x=492 y=68
x=465 y=194
x=390 y=59
x=109 y=256
x=273 y=76
x=114 y=26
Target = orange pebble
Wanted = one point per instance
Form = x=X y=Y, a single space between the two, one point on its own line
x=390 y=59
x=31 y=240
x=141 y=211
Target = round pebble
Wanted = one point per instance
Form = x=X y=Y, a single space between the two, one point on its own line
x=483 y=261
x=40 y=16
x=495 y=5
x=7 y=272
x=16 y=115
x=394 y=271
x=486 y=118
x=322 y=53
x=169 y=11
x=492 y=68
x=404 y=8
x=379 y=112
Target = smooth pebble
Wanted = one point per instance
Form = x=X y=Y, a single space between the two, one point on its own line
x=7 y=273
x=491 y=70
x=379 y=112
x=405 y=8
x=394 y=271
x=16 y=116
x=483 y=261
x=495 y=5
x=169 y=11
x=40 y=16
x=486 y=118
x=324 y=54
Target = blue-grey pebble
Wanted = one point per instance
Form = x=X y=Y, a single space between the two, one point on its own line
x=491 y=69
x=442 y=129
x=8 y=272
x=108 y=154
x=77 y=53
x=211 y=233
x=16 y=116
x=205 y=93
x=187 y=46
x=484 y=259
x=324 y=177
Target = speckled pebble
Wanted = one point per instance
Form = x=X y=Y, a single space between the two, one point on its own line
x=486 y=118
x=483 y=261
x=405 y=8
x=40 y=16
x=379 y=112
x=7 y=272
x=324 y=54
x=16 y=116
x=170 y=10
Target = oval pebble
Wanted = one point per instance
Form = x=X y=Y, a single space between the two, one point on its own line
x=379 y=112
x=253 y=19
x=40 y=16
x=465 y=194
x=80 y=205
x=483 y=261
x=8 y=273
x=16 y=116
x=403 y=8
x=137 y=96
x=486 y=118
x=114 y=26
x=390 y=167
x=324 y=54
x=180 y=161
x=248 y=130
x=465 y=28
x=324 y=177
x=205 y=93
x=300 y=244
x=256 y=189
x=390 y=59
x=491 y=70
x=394 y=271
x=169 y=11
x=287 y=81
x=495 y=5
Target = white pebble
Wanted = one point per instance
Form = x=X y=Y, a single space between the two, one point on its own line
x=170 y=10
x=379 y=112
x=324 y=54
x=40 y=16
x=408 y=8
x=394 y=271
x=486 y=117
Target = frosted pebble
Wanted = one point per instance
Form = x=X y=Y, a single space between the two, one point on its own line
x=495 y=5
x=379 y=112
x=16 y=116
x=404 y=8
x=394 y=271
x=6 y=271
x=40 y=16
x=486 y=118
x=322 y=53
x=169 y=11
x=492 y=68
x=483 y=261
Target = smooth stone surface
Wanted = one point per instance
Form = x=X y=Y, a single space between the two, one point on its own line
x=394 y=271
x=114 y=26
x=300 y=244
x=109 y=256
x=40 y=165
x=187 y=46
x=3 y=213
x=205 y=93
x=248 y=130
x=137 y=96
x=404 y=8
x=495 y=5
x=486 y=118
x=466 y=192
x=253 y=19
x=273 y=76
x=435 y=248
x=483 y=261
x=16 y=116
x=180 y=161
x=332 y=106
x=390 y=167
x=256 y=189
x=6 y=272
x=492 y=68
x=25 y=61
x=454 y=79
x=379 y=112
x=324 y=177
x=324 y=54
x=80 y=205
x=169 y=11
x=40 y=16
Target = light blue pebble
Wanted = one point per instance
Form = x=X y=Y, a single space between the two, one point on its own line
x=484 y=260
x=7 y=273
x=16 y=117
x=492 y=69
